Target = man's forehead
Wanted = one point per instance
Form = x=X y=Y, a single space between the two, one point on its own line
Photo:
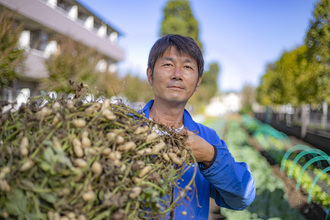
x=172 y=52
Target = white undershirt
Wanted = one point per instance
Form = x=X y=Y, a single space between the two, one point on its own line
x=159 y=132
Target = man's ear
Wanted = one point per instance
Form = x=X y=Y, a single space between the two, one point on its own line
x=149 y=76
x=198 y=82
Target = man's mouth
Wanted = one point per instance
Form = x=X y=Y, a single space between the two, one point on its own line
x=175 y=87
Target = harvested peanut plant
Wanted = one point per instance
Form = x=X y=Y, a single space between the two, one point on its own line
x=66 y=158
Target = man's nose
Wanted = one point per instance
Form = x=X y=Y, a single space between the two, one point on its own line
x=177 y=73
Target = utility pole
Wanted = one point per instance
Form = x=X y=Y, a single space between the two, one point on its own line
x=305 y=109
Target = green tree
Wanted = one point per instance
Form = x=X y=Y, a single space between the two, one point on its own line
x=248 y=98
x=318 y=43
x=179 y=19
x=73 y=61
x=11 y=56
x=305 y=81
x=132 y=87
x=270 y=87
x=291 y=79
x=210 y=79
x=136 y=90
x=318 y=35
x=287 y=70
x=208 y=87
x=109 y=84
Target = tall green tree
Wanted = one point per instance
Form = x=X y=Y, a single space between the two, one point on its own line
x=179 y=19
x=11 y=56
x=318 y=43
x=318 y=35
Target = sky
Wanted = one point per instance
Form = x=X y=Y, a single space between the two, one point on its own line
x=243 y=36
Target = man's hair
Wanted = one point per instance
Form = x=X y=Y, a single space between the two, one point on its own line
x=184 y=45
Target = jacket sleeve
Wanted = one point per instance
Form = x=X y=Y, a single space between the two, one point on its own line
x=232 y=184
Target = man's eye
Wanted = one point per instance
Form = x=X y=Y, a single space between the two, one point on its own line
x=167 y=64
x=188 y=67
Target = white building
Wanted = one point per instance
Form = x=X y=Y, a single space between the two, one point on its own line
x=44 y=18
x=226 y=104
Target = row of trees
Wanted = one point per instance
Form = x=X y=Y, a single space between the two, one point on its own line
x=302 y=75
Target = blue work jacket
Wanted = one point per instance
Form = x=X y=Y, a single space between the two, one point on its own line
x=230 y=183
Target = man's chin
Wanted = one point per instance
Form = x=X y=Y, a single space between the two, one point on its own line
x=176 y=100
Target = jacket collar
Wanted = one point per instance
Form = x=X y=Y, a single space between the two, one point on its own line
x=188 y=122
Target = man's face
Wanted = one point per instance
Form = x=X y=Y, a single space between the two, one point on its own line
x=175 y=77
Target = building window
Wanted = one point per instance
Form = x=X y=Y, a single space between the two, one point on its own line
x=38 y=40
x=101 y=66
x=24 y=40
x=113 y=37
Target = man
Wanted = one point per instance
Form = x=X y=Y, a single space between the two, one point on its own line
x=175 y=69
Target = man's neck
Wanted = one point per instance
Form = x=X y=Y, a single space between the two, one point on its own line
x=171 y=115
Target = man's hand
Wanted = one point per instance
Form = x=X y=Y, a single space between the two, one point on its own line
x=202 y=150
